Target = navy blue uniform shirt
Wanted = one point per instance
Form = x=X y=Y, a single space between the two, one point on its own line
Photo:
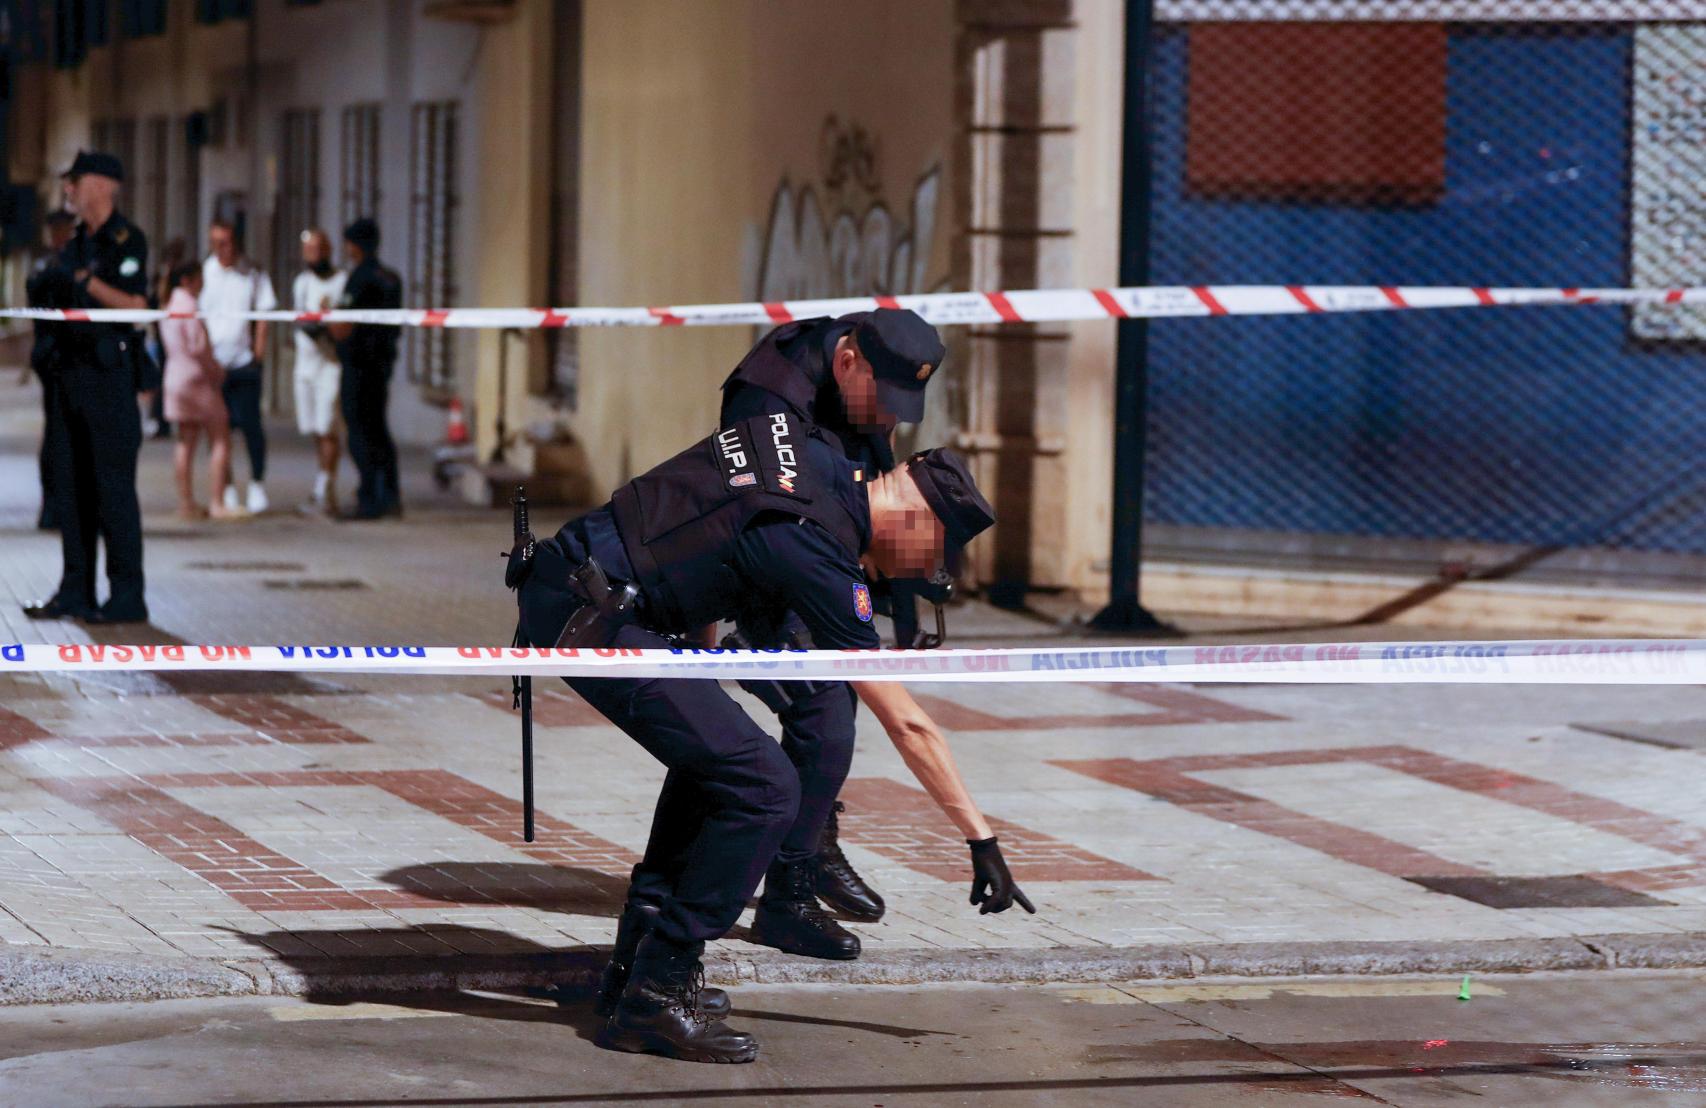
x=371 y=346
x=117 y=254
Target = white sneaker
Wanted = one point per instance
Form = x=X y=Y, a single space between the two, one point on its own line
x=257 y=499
x=231 y=504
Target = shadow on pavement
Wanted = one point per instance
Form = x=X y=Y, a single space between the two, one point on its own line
x=445 y=965
x=573 y=890
x=202 y=683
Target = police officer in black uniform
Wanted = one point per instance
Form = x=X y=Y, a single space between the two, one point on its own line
x=368 y=354
x=49 y=285
x=94 y=462
x=855 y=376
x=767 y=517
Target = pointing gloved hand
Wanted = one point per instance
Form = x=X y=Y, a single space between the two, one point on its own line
x=992 y=887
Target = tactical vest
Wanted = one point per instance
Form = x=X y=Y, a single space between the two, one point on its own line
x=680 y=522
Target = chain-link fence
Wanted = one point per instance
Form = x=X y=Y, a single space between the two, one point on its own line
x=1569 y=152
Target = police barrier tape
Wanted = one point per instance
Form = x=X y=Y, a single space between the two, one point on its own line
x=1575 y=661
x=1027 y=306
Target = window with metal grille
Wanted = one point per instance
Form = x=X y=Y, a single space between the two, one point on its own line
x=188 y=184
x=432 y=219
x=118 y=138
x=297 y=207
x=152 y=194
x=137 y=18
x=358 y=142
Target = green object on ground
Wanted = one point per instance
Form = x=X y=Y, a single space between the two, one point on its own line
x=1463 y=990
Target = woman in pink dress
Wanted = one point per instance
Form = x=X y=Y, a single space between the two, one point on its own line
x=193 y=401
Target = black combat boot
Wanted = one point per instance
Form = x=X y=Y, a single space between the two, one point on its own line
x=635 y=924
x=837 y=884
x=788 y=916
x=659 y=1010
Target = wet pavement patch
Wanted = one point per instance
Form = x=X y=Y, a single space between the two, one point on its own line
x=1573 y=891
x=309 y=584
x=1672 y=734
x=248 y=567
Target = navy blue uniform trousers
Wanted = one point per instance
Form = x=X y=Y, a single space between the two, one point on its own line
x=730 y=796
x=92 y=469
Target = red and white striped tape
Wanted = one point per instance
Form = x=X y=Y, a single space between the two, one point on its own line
x=1547 y=661
x=1027 y=306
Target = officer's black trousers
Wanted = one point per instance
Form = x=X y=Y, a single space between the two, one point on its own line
x=364 y=393
x=93 y=474
x=729 y=798
x=52 y=431
x=817 y=736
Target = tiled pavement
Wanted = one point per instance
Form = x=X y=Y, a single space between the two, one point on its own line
x=289 y=819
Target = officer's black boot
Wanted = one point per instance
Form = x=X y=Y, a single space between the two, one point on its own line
x=659 y=1010
x=789 y=918
x=837 y=884
x=636 y=924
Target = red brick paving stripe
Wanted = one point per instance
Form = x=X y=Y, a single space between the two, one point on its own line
x=277 y=719
x=1178 y=706
x=208 y=847
x=1159 y=778
x=904 y=824
x=443 y=793
x=551 y=708
x=16 y=730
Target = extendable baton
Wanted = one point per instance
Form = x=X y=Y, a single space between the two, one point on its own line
x=522 y=686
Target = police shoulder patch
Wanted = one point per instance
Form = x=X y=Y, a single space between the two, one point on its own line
x=862 y=603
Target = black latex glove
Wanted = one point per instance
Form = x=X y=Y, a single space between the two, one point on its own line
x=992 y=887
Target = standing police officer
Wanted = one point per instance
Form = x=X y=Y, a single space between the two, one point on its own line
x=856 y=376
x=368 y=353
x=765 y=518
x=94 y=463
x=49 y=286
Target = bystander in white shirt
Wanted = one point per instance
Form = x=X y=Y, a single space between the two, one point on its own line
x=241 y=288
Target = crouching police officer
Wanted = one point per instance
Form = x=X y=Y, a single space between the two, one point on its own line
x=764 y=518
x=855 y=376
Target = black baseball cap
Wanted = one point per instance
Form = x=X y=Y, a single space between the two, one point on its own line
x=946 y=482
x=904 y=351
x=93 y=161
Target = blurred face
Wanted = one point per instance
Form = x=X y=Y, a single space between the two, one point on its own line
x=316 y=249
x=58 y=234
x=89 y=193
x=907 y=540
x=223 y=244
x=194 y=284
x=857 y=383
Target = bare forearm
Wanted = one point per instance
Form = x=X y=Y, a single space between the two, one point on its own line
x=260 y=350
x=925 y=751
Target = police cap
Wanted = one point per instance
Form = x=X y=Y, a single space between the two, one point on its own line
x=904 y=351
x=93 y=161
x=946 y=482
x=364 y=233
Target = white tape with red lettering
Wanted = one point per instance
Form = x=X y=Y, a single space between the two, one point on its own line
x=1555 y=661
x=1029 y=306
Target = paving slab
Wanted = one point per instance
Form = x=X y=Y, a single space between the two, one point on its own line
x=279 y=833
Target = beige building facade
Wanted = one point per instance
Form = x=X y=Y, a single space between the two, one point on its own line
x=648 y=152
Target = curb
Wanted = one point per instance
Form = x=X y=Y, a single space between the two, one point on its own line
x=63 y=976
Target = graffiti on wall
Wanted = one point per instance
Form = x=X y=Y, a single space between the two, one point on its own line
x=861 y=249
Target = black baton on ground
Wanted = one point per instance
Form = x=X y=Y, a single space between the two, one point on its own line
x=522 y=686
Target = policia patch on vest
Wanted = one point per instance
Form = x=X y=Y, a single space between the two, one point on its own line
x=762 y=453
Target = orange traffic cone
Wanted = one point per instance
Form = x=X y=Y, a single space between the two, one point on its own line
x=456 y=427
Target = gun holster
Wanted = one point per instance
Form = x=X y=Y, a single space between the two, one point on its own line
x=604 y=610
